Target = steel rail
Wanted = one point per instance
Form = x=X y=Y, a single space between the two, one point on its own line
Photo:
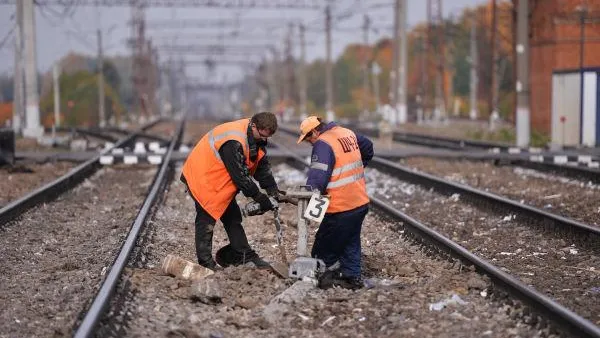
x=565 y=318
x=106 y=291
x=443 y=185
x=53 y=189
x=140 y=135
x=588 y=174
x=438 y=141
x=94 y=132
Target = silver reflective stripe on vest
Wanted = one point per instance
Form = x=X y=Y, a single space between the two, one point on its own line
x=346 y=167
x=319 y=166
x=212 y=140
x=345 y=180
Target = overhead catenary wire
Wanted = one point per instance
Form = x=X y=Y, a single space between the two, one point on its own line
x=7 y=37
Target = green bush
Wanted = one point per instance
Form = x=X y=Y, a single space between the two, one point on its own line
x=539 y=139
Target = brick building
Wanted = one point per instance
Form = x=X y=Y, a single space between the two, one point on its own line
x=555 y=42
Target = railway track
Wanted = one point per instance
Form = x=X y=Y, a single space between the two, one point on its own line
x=570 y=163
x=542 y=271
x=58 y=241
x=136 y=300
x=234 y=303
x=563 y=196
x=54 y=188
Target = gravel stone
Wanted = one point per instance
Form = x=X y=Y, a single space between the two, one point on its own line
x=407 y=280
x=54 y=256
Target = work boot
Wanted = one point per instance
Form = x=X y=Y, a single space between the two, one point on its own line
x=252 y=256
x=227 y=256
x=210 y=264
x=352 y=283
x=328 y=277
x=331 y=278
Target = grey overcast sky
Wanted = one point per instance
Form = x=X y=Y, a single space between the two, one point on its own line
x=77 y=32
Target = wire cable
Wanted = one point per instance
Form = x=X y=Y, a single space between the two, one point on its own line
x=7 y=37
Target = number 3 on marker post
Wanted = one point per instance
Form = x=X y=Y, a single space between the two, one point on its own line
x=317 y=206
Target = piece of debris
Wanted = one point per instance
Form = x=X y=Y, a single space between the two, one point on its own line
x=455 y=299
x=184 y=269
x=206 y=291
x=283 y=302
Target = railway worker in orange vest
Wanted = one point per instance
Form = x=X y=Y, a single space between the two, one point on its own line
x=339 y=157
x=221 y=164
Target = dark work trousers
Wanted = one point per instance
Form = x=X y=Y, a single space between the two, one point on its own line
x=232 y=221
x=338 y=239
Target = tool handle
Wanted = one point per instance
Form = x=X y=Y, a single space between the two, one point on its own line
x=279 y=235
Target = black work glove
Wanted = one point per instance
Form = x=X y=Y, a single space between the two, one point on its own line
x=265 y=202
x=280 y=196
x=275 y=193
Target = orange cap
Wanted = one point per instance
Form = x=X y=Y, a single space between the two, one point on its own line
x=307 y=125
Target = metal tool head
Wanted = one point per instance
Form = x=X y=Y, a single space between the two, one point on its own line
x=306 y=267
x=281 y=269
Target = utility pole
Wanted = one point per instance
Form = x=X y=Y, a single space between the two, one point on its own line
x=328 y=66
x=18 y=74
x=427 y=46
x=302 y=76
x=365 y=62
x=493 y=99
x=101 y=113
x=184 y=86
x=376 y=72
x=287 y=83
x=522 y=85
x=440 y=92
x=422 y=90
x=55 y=78
x=393 y=94
x=273 y=92
x=582 y=13
x=32 y=122
x=474 y=66
x=401 y=106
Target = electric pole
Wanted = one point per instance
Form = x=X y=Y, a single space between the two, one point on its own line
x=427 y=46
x=582 y=13
x=365 y=62
x=493 y=96
x=393 y=94
x=18 y=74
x=328 y=66
x=32 y=122
x=302 y=76
x=440 y=92
x=474 y=66
x=402 y=62
x=287 y=82
x=56 y=78
x=101 y=113
x=422 y=90
x=273 y=92
x=522 y=85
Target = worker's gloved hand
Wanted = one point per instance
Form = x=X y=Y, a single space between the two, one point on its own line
x=265 y=202
x=276 y=193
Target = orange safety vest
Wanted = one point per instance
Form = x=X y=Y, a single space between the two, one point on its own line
x=346 y=186
x=204 y=170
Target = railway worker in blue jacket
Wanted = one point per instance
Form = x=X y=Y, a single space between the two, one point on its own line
x=339 y=157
